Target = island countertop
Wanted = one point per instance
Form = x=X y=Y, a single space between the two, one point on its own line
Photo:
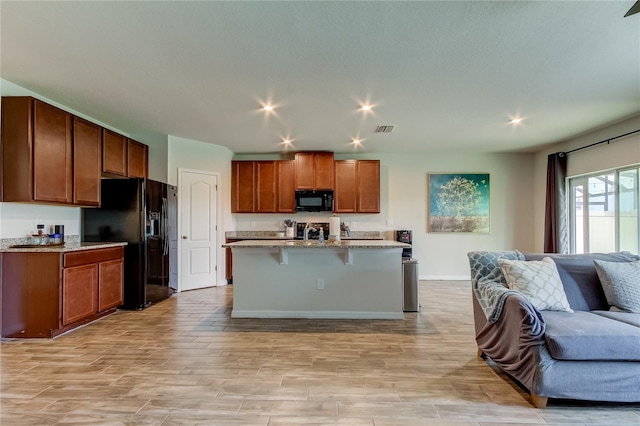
x=67 y=247
x=275 y=235
x=360 y=244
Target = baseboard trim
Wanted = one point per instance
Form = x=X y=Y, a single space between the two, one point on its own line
x=236 y=313
x=444 y=278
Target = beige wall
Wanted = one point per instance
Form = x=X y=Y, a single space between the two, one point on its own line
x=619 y=153
x=517 y=191
x=403 y=205
x=18 y=220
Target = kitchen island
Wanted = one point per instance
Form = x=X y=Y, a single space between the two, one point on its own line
x=308 y=279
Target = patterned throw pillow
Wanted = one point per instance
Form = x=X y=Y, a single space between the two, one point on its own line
x=539 y=280
x=621 y=284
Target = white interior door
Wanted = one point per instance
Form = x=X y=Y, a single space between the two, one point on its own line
x=198 y=235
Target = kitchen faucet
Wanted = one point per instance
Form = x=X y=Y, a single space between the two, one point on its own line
x=306 y=232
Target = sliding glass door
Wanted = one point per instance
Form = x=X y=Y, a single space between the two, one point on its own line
x=604 y=212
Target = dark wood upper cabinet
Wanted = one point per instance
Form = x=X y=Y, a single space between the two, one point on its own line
x=262 y=186
x=357 y=186
x=286 y=186
x=114 y=153
x=48 y=155
x=265 y=172
x=345 y=198
x=314 y=170
x=137 y=159
x=368 y=179
x=52 y=154
x=242 y=187
x=37 y=152
x=87 y=163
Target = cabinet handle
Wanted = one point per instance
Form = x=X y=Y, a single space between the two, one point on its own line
x=184 y=237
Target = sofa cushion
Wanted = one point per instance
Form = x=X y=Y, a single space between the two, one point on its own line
x=626 y=317
x=584 y=336
x=579 y=277
x=621 y=284
x=538 y=280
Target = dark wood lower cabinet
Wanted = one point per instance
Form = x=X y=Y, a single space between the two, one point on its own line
x=79 y=293
x=47 y=294
x=110 y=294
x=228 y=270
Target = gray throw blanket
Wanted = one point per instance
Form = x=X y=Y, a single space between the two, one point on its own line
x=490 y=285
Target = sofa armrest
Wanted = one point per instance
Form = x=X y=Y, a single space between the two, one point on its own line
x=514 y=341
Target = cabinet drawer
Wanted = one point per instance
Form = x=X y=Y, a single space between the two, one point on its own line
x=92 y=256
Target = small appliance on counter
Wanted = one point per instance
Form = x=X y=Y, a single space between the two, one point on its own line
x=404 y=236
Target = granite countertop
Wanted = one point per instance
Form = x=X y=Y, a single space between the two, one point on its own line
x=275 y=235
x=67 y=247
x=369 y=244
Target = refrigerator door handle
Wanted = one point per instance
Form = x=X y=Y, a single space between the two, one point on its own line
x=164 y=227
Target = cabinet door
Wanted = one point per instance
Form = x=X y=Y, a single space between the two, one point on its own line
x=16 y=148
x=228 y=272
x=137 y=159
x=323 y=170
x=52 y=154
x=87 y=162
x=368 y=186
x=242 y=187
x=110 y=284
x=114 y=153
x=304 y=170
x=79 y=293
x=265 y=186
x=286 y=186
x=344 y=197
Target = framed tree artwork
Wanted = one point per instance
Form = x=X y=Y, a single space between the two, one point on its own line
x=458 y=202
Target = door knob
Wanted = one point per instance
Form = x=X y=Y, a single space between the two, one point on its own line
x=184 y=237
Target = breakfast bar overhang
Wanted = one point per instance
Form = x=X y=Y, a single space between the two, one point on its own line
x=355 y=279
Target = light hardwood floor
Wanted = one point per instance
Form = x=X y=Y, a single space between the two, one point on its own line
x=184 y=361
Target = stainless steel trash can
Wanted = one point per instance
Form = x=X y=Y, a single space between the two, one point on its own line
x=410 y=299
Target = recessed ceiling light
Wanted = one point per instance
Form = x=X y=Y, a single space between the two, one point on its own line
x=267 y=108
x=366 y=107
x=516 y=121
x=356 y=141
x=286 y=141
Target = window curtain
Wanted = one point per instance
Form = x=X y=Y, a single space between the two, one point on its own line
x=556 y=237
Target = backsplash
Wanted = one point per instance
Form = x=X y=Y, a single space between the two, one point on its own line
x=7 y=242
x=18 y=220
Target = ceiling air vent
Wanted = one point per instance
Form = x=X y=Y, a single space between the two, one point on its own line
x=384 y=129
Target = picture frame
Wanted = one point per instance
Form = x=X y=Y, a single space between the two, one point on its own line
x=458 y=203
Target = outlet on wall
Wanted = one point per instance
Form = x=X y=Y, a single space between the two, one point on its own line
x=389 y=222
x=320 y=283
x=253 y=224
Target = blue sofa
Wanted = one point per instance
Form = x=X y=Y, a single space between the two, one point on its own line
x=590 y=354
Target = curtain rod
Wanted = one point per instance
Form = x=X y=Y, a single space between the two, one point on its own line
x=601 y=142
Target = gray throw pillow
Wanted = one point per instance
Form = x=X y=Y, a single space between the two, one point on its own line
x=621 y=284
x=539 y=281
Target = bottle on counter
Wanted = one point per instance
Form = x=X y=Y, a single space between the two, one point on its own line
x=321 y=236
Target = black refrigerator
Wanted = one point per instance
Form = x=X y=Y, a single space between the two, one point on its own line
x=143 y=213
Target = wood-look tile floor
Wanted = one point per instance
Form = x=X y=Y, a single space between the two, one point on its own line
x=185 y=361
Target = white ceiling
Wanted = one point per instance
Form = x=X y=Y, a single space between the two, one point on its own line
x=447 y=74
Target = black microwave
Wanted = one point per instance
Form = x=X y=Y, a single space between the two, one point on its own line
x=314 y=201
